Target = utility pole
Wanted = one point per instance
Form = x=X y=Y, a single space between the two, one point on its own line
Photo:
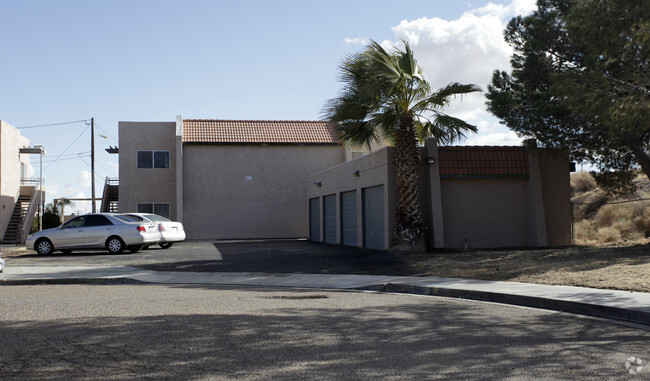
x=92 y=162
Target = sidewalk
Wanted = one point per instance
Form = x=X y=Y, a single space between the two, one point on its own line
x=612 y=304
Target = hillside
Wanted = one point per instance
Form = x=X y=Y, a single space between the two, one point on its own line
x=600 y=218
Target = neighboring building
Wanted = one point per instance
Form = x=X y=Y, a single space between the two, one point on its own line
x=472 y=197
x=19 y=197
x=226 y=179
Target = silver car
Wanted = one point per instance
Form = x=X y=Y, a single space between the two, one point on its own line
x=109 y=231
x=170 y=231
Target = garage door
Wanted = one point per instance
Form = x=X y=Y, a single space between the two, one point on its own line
x=349 y=218
x=329 y=219
x=314 y=219
x=373 y=217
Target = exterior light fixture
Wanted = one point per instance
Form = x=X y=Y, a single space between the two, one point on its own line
x=431 y=160
x=318 y=184
x=357 y=173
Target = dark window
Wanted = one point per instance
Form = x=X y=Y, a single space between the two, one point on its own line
x=161 y=209
x=145 y=208
x=161 y=159
x=145 y=159
x=97 y=220
x=153 y=159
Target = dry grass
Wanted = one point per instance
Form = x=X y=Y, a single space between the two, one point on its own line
x=602 y=219
x=621 y=268
x=613 y=248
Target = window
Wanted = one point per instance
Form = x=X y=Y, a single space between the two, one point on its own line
x=97 y=220
x=77 y=222
x=161 y=209
x=153 y=159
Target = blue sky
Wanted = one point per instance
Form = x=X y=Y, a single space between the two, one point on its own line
x=146 y=60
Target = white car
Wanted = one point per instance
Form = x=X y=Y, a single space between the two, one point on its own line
x=170 y=231
x=109 y=231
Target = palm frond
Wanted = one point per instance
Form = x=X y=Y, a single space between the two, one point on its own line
x=445 y=129
x=442 y=96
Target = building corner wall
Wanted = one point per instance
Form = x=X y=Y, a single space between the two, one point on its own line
x=10 y=170
x=555 y=171
x=179 y=169
x=535 y=200
x=149 y=185
x=434 y=196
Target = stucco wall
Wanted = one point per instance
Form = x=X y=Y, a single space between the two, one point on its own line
x=375 y=169
x=556 y=191
x=151 y=185
x=10 y=172
x=250 y=191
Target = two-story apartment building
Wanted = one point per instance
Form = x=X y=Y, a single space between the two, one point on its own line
x=226 y=179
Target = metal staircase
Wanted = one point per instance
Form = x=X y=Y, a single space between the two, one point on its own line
x=13 y=234
x=110 y=199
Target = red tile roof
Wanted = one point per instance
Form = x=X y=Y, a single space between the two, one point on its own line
x=213 y=131
x=483 y=161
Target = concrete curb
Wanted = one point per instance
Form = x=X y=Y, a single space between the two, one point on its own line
x=607 y=312
x=630 y=315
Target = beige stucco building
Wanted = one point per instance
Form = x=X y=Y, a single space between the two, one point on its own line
x=228 y=179
x=18 y=197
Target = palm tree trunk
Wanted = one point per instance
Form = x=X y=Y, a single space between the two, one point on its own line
x=408 y=216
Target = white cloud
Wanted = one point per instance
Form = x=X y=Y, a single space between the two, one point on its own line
x=467 y=50
x=356 y=41
x=84 y=179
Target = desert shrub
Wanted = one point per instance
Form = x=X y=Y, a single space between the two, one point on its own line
x=609 y=214
x=588 y=204
x=582 y=182
x=584 y=231
x=642 y=221
x=627 y=228
x=608 y=234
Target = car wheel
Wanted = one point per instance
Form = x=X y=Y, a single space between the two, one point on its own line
x=165 y=245
x=115 y=245
x=44 y=246
x=135 y=248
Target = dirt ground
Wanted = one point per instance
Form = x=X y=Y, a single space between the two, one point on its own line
x=614 y=267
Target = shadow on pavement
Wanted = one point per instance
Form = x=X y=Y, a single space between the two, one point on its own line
x=292 y=257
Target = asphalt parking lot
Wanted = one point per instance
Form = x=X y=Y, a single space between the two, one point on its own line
x=301 y=257
x=276 y=256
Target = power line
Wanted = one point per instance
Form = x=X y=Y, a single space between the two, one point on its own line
x=107 y=134
x=64 y=151
x=52 y=124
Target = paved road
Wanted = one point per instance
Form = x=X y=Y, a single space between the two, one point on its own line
x=265 y=257
x=206 y=332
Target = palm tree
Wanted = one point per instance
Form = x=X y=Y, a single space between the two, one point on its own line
x=61 y=203
x=385 y=96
